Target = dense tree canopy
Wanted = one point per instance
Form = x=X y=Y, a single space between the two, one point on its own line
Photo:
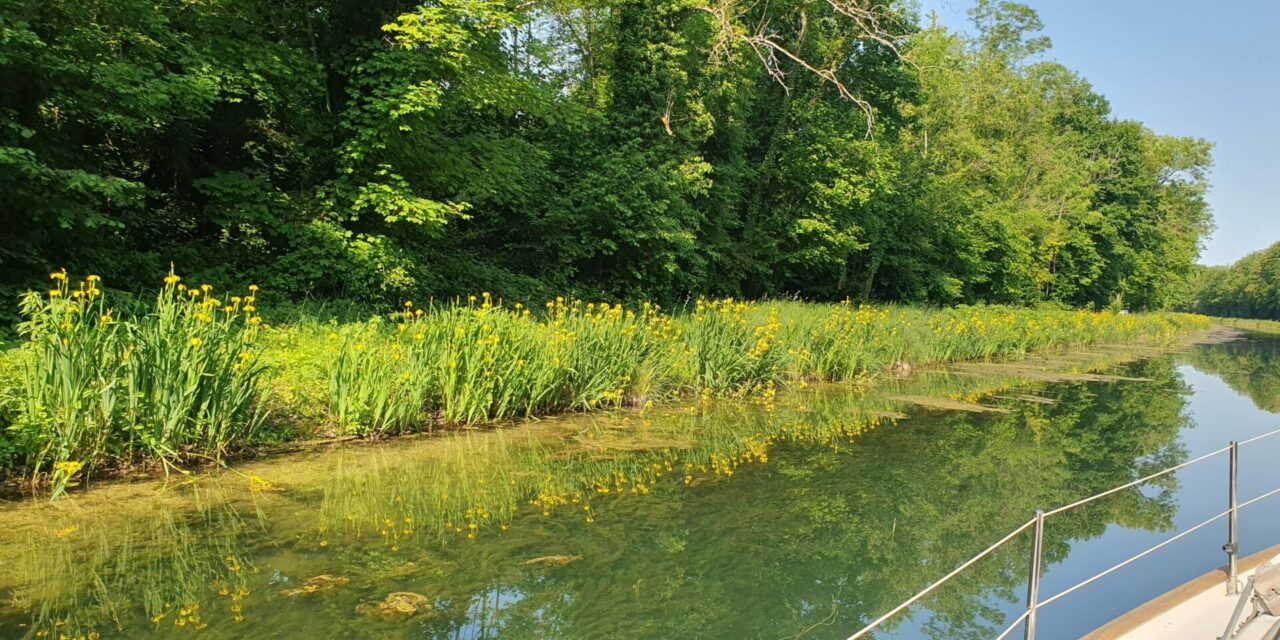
x=624 y=148
x=1250 y=288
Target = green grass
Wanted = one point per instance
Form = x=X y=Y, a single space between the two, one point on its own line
x=1260 y=326
x=199 y=376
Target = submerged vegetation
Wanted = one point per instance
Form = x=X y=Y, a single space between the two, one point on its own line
x=541 y=511
x=197 y=375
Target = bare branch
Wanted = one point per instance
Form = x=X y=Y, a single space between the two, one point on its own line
x=868 y=17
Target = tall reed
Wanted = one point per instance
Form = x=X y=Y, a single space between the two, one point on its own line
x=183 y=380
x=70 y=397
x=190 y=378
x=479 y=360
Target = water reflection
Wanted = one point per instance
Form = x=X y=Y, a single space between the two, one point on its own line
x=799 y=515
x=1248 y=366
x=823 y=538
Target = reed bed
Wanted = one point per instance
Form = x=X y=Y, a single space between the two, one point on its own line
x=200 y=375
x=183 y=380
x=477 y=481
x=478 y=361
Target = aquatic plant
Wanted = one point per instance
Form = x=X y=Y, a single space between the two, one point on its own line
x=184 y=379
x=194 y=376
x=172 y=569
x=196 y=559
x=477 y=360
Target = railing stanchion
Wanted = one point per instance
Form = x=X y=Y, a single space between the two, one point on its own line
x=1033 y=579
x=1034 y=601
x=1233 y=543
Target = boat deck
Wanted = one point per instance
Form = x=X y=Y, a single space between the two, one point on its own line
x=1198 y=609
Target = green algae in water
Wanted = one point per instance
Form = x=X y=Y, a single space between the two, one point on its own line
x=799 y=513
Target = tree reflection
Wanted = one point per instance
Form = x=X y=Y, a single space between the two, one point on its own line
x=1250 y=367
x=823 y=539
x=842 y=522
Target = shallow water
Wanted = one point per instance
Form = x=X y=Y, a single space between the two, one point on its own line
x=800 y=515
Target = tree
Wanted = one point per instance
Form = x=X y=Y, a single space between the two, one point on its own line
x=1250 y=288
x=380 y=150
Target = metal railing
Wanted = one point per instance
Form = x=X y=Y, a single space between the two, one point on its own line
x=1037 y=523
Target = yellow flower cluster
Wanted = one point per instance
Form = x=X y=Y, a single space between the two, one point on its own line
x=68 y=467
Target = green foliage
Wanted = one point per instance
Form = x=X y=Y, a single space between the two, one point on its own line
x=193 y=377
x=474 y=362
x=1069 y=205
x=1250 y=288
x=378 y=151
x=479 y=360
x=12 y=366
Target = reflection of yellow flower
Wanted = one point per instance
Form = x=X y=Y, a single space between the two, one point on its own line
x=257 y=484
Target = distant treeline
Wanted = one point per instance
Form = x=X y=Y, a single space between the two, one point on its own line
x=377 y=150
x=1250 y=288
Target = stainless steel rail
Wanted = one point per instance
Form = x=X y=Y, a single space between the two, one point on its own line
x=1027 y=619
x=941 y=581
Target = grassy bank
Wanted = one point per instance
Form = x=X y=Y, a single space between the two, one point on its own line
x=1248 y=324
x=202 y=374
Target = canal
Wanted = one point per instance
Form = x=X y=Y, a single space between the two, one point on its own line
x=792 y=515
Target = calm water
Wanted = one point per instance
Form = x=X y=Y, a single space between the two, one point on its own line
x=800 y=516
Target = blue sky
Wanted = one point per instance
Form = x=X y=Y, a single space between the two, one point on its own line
x=1203 y=69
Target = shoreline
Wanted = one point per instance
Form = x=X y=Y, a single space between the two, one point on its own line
x=14 y=490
